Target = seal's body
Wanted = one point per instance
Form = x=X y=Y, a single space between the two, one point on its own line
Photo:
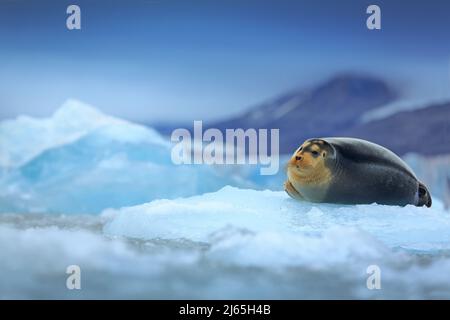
x=352 y=171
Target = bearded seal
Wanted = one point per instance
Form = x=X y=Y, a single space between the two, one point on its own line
x=352 y=171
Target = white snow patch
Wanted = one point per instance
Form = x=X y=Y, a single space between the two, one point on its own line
x=399 y=106
x=198 y=217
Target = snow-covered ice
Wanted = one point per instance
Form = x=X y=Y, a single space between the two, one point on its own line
x=196 y=218
x=233 y=243
x=269 y=230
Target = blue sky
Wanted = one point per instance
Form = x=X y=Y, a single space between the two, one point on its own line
x=197 y=59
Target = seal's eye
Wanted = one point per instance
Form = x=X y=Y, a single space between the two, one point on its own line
x=315 y=153
x=301 y=148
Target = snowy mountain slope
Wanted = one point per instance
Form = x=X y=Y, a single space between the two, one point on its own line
x=425 y=131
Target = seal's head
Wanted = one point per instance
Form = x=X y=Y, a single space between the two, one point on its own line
x=312 y=160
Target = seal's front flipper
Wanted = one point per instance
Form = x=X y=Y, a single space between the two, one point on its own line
x=291 y=191
x=424 y=196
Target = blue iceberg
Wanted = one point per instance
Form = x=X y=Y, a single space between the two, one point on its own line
x=82 y=161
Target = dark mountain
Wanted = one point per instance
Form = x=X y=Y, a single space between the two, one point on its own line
x=335 y=108
x=425 y=131
x=323 y=111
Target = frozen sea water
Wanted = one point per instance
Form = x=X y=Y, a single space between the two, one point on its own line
x=233 y=243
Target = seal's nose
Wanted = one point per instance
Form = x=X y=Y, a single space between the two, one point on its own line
x=298 y=158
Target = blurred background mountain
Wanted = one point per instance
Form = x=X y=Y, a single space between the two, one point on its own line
x=339 y=107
